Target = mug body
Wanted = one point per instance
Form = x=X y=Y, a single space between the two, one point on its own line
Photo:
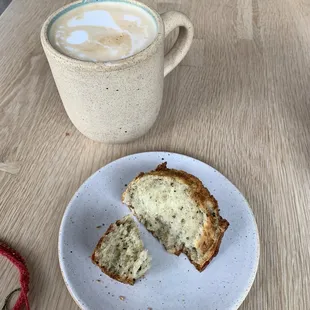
x=114 y=101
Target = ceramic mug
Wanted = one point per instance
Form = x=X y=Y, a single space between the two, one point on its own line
x=117 y=101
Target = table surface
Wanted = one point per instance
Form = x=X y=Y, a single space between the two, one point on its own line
x=240 y=101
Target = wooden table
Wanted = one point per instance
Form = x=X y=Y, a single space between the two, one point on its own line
x=240 y=101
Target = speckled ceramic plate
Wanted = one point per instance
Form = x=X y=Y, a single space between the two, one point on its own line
x=172 y=282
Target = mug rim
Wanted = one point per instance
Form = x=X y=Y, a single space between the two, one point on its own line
x=111 y=65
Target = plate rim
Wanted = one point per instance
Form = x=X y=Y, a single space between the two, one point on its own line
x=60 y=260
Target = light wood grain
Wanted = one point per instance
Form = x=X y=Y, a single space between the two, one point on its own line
x=240 y=101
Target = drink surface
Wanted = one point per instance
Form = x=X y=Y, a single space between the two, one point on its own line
x=103 y=31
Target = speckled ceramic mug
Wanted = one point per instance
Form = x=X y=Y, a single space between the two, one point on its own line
x=117 y=101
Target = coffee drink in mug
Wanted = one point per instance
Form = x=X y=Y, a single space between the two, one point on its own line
x=107 y=59
x=103 y=31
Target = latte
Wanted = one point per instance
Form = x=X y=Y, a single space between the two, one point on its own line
x=103 y=31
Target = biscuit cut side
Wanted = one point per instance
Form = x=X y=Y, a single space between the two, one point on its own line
x=179 y=211
x=120 y=252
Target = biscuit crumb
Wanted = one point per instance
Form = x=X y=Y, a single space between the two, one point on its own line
x=122 y=297
x=99 y=226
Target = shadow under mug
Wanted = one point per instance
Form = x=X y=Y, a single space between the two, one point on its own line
x=117 y=101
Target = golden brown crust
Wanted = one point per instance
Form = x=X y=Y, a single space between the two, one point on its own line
x=214 y=227
x=223 y=226
x=126 y=280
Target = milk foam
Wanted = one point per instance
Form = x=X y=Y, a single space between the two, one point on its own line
x=103 y=31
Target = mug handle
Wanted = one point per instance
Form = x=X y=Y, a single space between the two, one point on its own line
x=172 y=20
